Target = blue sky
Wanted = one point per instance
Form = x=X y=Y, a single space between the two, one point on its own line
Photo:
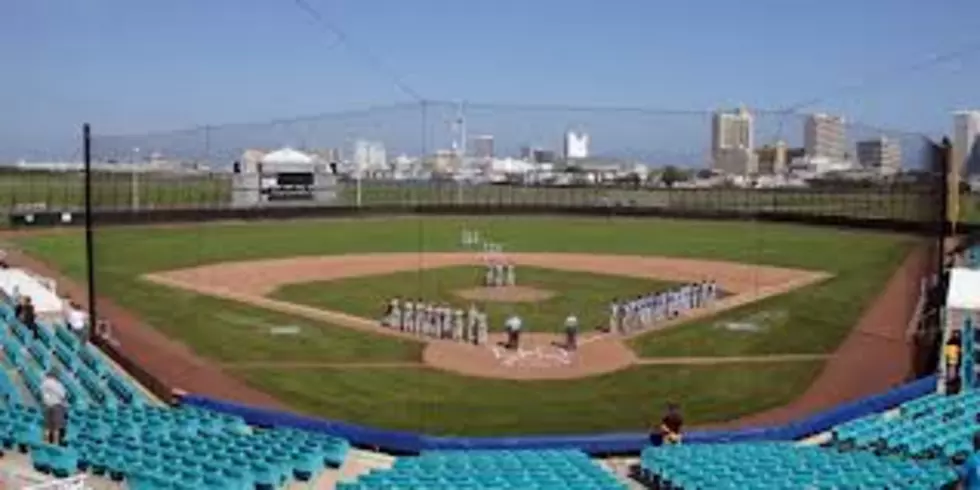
x=130 y=66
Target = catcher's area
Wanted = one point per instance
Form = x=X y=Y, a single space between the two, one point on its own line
x=541 y=356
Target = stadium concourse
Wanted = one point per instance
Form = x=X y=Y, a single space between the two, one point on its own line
x=119 y=436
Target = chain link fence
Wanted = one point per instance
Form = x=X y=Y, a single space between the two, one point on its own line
x=442 y=153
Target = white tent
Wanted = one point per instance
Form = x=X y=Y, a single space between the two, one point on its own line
x=286 y=156
x=45 y=299
x=964 y=290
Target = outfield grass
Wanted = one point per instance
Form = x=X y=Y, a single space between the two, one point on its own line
x=586 y=295
x=819 y=316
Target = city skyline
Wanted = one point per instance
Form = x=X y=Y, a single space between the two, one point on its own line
x=130 y=74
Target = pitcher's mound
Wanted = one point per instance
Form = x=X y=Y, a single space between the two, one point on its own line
x=505 y=294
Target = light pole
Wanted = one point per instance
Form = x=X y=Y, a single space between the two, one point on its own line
x=134 y=180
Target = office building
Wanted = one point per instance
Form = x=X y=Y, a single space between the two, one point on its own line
x=966 y=142
x=369 y=156
x=772 y=158
x=483 y=146
x=825 y=136
x=732 y=142
x=576 y=145
x=882 y=154
x=542 y=156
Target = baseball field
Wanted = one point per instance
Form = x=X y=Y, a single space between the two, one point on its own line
x=290 y=309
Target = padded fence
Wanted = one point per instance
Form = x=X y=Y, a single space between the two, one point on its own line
x=401 y=442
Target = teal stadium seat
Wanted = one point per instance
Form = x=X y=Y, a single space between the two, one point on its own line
x=524 y=469
x=113 y=431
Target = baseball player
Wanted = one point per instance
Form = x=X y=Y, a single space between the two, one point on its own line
x=488 y=279
x=614 y=315
x=447 y=322
x=482 y=329
x=408 y=318
x=511 y=275
x=386 y=316
x=498 y=274
x=459 y=326
x=395 y=314
x=471 y=321
x=421 y=310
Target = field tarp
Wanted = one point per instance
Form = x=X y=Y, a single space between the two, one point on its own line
x=402 y=442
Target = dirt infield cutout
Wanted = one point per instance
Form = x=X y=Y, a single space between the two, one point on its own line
x=542 y=356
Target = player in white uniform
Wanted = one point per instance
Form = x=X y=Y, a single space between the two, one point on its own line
x=420 y=317
x=511 y=275
x=394 y=314
x=471 y=320
x=447 y=322
x=488 y=279
x=614 y=315
x=459 y=325
x=408 y=318
x=482 y=328
x=498 y=274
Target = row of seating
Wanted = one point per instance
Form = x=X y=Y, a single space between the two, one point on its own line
x=935 y=426
x=765 y=466
x=520 y=469
x=112 y=430
x=86 y=376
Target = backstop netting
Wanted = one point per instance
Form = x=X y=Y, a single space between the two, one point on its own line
x=287 y=241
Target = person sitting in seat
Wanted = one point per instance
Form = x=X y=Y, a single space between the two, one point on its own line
x=952 y=351
x=53 y=397
x=671 y=425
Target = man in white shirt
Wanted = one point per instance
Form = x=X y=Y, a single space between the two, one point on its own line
x=513 y=326
x=571 y=332
x=53 y=397
x=77 y=320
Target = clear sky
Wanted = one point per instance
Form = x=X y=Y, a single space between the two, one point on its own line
x=129 y=66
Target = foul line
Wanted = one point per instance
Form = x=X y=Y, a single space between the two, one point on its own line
x=299 y=365
x=764 y=359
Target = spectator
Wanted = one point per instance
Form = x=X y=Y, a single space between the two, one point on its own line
x=53 y=396
x=970 y=470
x=26 y=315
x=951 y=351
x=671 y=425
x=571 y=332
x=77 y=320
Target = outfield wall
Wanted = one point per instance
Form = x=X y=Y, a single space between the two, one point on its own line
x=27 y=219
x=403 y=442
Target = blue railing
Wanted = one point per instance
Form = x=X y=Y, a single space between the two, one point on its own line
x=612 y=443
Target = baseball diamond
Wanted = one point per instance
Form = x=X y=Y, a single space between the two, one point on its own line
x=223 y=294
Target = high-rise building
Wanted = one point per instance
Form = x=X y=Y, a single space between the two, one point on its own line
x=880 y=154
x=542 y=156
x=576 y=145
x=369 y=156
x=772 y=159
x=824 y=136
x=966 y=142
x=732 y=142
x=483 y=146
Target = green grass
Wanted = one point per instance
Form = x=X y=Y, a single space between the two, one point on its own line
x=816 y=319
x=586 y=295
x=443 y=403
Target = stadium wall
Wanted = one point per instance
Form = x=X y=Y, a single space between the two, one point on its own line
x=403 y=442
x=33 y=219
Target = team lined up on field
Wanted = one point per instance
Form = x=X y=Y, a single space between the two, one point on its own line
x=646 y=311
x=437 y=321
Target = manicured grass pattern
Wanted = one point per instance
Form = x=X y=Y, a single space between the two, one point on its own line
x=583 y=294
x=816 y=318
